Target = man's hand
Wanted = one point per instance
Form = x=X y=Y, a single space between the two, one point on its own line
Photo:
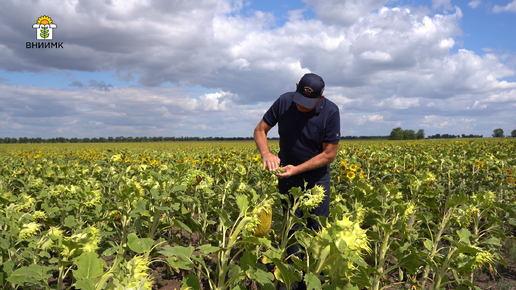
x=288 y=171
x=270 y=161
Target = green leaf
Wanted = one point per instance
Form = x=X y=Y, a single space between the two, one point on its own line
x=242 y=203
x=470 y=285
x=177 y=251
x=223 y=215
x=138 y=245
x=337 y=285
x=190 y=281
x=361 y=278
x=177 y=188
x=236 y=274
x=110 y=251
x=178 y=257
x=259 y=241
x=493 y=241
x=3 y=201
x=199 y=260
x=180 y=262
x=428 y=244
x=89 y=265
x=464 y=235
x=88 y=284
x=286 y=274
x=263 y=277
x=207 y=249
x=312 y=282
x=410 y=262
x=70 y=221
x=34 y=274
x=182 y=225
x=7 y=267
x=349 y=287
x=248 y=261
x=141 y=208
x=466 y=249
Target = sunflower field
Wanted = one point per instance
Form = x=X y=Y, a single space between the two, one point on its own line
x=404 y=215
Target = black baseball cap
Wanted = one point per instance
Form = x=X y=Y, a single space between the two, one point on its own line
x=309 y=89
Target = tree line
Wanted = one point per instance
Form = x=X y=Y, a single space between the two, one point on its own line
x=118 y=139
x=400 y=134
x=444 y=136
x=396 y=134
x=498 y=133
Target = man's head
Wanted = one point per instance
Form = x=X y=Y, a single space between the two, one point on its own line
x=309 y=90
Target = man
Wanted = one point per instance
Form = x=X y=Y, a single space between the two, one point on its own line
x=309 y=130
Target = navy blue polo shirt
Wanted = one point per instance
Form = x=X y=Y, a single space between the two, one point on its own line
x=303 y=134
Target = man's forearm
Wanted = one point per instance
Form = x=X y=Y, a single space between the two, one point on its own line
x=318 y=161
x=260 y=138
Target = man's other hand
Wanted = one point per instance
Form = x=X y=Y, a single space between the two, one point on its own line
x=288 y=171
x=271 y=162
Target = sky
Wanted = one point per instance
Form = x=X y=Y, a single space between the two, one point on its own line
x=213 y=67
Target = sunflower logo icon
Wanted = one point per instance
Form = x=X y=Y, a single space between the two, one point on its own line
x=44 y=27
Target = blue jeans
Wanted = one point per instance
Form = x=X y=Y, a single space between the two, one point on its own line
x=323 y=209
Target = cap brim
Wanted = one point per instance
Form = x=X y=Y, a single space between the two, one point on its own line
x=304 y=101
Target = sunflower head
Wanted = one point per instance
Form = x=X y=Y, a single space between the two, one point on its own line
x=343 y=166
x=312 y=197
x=44 y=20
x=28 y=230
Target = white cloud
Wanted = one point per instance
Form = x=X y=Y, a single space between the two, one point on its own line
x=503 y=97
x=446 y=4
x=447 y=43
x=344 y=12
x=511 y=7
x=239 y=64
x=474 y=4
x=378 y=56
x=391 y=64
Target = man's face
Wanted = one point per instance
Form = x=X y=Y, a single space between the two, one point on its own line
x=306 y=110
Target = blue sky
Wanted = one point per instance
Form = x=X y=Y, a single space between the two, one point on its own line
x=213 y=67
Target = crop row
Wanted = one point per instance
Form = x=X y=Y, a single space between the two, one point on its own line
x=425 y=215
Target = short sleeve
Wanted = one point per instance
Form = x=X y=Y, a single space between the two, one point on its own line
x=332 y=130
x=272 y=115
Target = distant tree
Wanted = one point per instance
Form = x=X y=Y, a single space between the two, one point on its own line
x=513 y=133
x=420 y=134
x=409 y=134
x=498 y=133
x=396 y=134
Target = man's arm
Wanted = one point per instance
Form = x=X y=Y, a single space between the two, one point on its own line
x=322 y=159
x=270 y=160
